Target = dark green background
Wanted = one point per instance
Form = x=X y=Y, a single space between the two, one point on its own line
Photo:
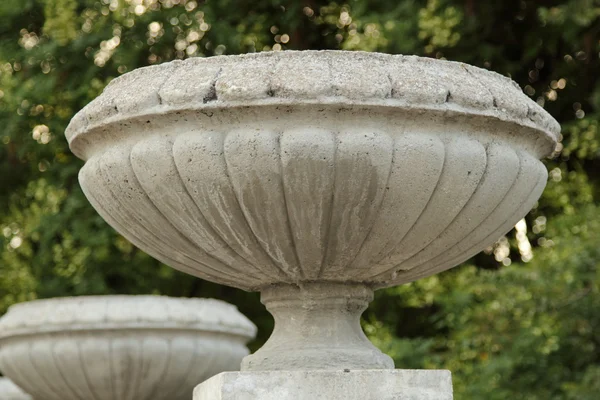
x=508 y=329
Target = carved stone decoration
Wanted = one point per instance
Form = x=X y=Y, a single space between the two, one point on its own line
x=10 y=391
x=120 y=347
x=313 y=177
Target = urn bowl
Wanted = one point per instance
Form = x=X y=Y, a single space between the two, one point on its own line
x=300 y=167
x=120 y=347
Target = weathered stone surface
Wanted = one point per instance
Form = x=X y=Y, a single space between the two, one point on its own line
x=313 y=168
x=120 y=347
x=332 y=77
x=10 y=391
x=443 y=160
x=328 y=385
x=430 y=195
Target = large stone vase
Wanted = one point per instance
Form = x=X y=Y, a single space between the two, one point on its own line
x=314 y=178
x=120 y=347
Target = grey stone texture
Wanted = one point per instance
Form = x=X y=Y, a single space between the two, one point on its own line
x=317 y=326
x=328 y=385
x=120 y=347
x=10 y=391
x=313 y=77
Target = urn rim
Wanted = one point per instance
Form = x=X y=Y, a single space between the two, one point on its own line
x=72 y=314
x=314 y=78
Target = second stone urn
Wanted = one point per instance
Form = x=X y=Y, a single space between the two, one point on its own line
x=314 y=178
x=120 y=347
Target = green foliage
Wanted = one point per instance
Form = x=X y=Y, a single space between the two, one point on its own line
x=60 y=18
x=519 y=321
x=438 y=23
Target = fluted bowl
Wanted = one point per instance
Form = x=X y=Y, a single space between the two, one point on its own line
x=312 y=166
x=120 y=347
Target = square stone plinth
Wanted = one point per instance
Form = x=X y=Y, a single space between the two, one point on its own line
x=328 y=385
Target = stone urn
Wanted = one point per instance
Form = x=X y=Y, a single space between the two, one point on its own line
x=314 y=178
x=10 y=391
x=120 y=347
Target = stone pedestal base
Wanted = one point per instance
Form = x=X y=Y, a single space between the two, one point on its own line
x=328 y=385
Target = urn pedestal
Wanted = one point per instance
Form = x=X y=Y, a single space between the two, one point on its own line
x=314 y=178
x=361 y=384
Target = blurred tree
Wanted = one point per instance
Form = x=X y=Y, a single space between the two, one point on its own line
x=519 y=321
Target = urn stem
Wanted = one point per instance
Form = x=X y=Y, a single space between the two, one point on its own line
x=317 y=326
